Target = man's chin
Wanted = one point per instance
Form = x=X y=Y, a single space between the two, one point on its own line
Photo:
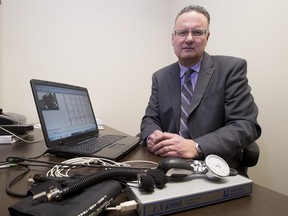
x=189 y=61
x=187 y=54
x=188 y=57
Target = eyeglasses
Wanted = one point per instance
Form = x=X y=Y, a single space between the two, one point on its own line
x=196 y=33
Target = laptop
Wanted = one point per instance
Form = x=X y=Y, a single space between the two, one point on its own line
x=69 y=125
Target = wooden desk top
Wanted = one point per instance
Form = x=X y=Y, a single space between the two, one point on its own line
x=262 y=201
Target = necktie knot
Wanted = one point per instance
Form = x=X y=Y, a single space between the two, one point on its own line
x=188 y=74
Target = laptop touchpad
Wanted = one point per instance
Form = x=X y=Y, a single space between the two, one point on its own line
x=117 y=146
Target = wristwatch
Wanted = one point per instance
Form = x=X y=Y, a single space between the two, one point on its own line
x=198 y=149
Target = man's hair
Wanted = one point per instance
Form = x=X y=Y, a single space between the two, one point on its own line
x=196 y=8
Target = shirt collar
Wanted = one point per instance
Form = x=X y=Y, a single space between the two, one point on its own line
x=195 y=67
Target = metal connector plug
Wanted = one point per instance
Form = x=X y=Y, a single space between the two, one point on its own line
x=53 y=194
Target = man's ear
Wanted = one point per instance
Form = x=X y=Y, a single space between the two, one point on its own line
x=172 y=38
x=208 y=35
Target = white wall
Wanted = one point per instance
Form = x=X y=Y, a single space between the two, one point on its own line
x=95 y=43
x=1 y=69
x=111 y=47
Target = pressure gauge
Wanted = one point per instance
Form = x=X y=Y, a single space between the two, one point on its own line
x=217 y=167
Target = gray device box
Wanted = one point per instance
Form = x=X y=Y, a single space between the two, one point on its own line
x=193 y=192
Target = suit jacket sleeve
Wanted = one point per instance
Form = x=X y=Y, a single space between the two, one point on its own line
x=163 y=110
x=229 y=113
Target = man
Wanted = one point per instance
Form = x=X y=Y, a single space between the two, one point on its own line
x=221 y=117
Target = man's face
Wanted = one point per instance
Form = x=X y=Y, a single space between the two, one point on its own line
x=188 y=48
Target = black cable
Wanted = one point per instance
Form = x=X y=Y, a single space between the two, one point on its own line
x=92 y=179
x=19 y=160
x=6 y=161
x=36 y=165
x=89 y=180
x=120 y=172
x=15 y=180
x=40 y=155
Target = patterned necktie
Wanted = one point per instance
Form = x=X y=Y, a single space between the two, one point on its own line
x=186 y=98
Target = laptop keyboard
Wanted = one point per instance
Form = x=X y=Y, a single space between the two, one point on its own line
x=95 y=144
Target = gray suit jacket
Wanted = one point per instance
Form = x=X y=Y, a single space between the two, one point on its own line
x=223 y=117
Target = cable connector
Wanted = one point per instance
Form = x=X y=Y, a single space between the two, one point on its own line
x=125 y=206
x=8 y=165
x=51 y=195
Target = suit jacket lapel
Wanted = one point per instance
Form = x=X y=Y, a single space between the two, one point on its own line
x=174 y=88
x=203 y=79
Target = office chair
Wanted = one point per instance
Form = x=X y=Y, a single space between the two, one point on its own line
x=250 y=155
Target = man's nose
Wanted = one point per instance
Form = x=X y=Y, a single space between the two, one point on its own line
x=189 y=37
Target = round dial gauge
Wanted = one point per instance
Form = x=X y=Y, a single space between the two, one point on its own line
x=217 y=165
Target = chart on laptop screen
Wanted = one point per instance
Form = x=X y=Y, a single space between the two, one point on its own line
x=65 y=111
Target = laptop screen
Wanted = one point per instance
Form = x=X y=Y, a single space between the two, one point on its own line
x=64 y=111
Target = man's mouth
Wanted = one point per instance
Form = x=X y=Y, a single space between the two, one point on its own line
x=187 y=48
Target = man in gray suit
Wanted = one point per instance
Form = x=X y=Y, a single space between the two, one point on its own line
x=222 y=117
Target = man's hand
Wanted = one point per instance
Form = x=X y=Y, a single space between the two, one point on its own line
x=153 y=139
x=171 y=145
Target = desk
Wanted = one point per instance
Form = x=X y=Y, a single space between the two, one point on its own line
x=262 y=201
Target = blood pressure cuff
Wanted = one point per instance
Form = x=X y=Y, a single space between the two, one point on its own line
x=90 y=201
